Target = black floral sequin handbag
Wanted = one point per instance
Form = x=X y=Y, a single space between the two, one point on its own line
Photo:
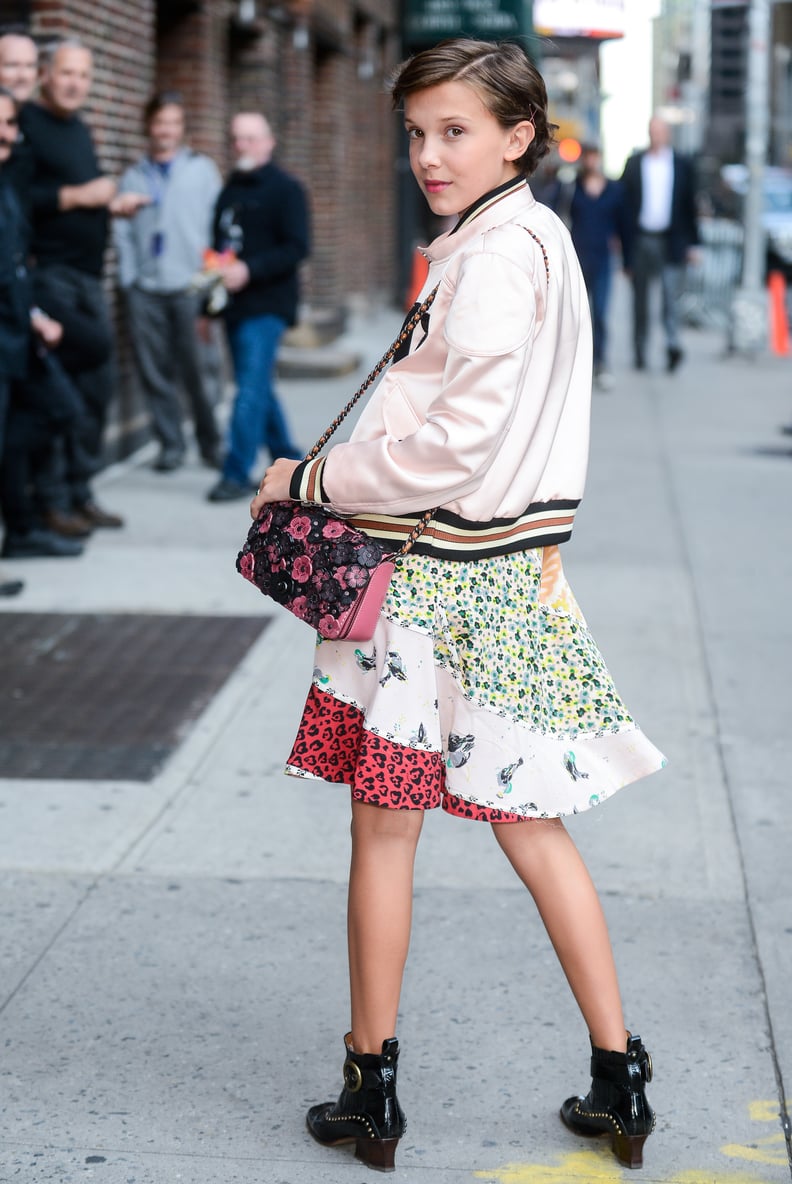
x=317 y=565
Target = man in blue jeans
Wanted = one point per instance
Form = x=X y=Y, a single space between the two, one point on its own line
x=261 y=218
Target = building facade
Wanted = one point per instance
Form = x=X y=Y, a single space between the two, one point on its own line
x=700 y=77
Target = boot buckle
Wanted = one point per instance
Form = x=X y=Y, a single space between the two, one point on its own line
x=353 y=1077
x=646 y=1066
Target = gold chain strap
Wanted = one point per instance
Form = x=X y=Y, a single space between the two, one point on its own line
x=539 y=243
x=416 y=532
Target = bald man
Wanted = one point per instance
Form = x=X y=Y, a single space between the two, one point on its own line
x=18 y=64
x=19 y=75
x=661 y=233
x=262 y=218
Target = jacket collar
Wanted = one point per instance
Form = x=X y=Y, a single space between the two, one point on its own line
x=494 y=208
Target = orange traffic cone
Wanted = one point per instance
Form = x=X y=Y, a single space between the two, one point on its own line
x=779 y=323
x=420 y=270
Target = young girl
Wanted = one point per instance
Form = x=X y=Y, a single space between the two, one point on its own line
x=482 y=689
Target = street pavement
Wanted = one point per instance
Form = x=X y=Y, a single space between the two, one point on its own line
x=172 y=956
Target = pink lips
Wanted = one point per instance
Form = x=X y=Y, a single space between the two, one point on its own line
x=436 y=186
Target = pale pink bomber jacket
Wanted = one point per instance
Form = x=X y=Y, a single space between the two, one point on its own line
x=487 y=416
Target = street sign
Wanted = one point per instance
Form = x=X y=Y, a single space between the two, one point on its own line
x=429 y=21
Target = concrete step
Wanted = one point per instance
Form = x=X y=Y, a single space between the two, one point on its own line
x=324 y=361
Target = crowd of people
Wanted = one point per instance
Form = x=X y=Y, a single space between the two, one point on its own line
x=186 y=244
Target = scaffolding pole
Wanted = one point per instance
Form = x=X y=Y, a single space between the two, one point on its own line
x=749 y=328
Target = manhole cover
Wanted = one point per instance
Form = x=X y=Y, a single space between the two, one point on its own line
x=101 y=697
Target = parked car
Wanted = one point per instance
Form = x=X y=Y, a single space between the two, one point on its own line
x=776 y=212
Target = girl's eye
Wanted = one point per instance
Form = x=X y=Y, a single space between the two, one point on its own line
x=413 y=133
x=453 y=132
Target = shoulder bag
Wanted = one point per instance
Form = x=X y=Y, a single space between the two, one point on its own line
x=316 y=564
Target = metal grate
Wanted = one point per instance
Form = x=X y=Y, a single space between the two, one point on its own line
x=95 y=697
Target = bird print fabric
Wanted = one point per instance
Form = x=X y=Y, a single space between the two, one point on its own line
x=482 y=691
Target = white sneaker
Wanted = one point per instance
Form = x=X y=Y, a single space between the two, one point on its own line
x=603 y=381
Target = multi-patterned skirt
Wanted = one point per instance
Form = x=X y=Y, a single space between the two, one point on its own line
x=482 y=691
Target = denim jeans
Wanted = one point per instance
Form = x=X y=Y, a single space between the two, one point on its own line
x=598 y=284
x=257 y=419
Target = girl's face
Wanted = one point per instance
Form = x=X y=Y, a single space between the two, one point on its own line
x=458 y=150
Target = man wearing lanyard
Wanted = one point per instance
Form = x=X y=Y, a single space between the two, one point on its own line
x=659 y=192
x=159 y=253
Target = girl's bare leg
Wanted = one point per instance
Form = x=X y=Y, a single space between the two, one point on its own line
x=379 y=917
x=549 y=864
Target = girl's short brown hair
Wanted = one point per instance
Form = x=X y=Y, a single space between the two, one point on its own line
x=501 y=73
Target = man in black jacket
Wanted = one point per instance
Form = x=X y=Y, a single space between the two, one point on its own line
x=71 y=201
x=261 y=220
x=659 y=191
x=20 y=326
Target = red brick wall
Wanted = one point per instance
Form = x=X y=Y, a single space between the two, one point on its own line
x=121 y=36
x=192 y=57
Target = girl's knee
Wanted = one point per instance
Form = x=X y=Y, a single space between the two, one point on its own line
x=525 y=834
x=382 y=823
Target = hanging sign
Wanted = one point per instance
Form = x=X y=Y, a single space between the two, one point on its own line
x=429 y=21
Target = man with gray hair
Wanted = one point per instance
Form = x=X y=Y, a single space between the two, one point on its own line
x=71 y=201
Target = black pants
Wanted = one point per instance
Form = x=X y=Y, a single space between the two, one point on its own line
x=77 y=300
x=649 y=264
x=28 y=446
x=5 y=389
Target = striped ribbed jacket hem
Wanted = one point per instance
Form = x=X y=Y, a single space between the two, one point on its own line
x=448 y=536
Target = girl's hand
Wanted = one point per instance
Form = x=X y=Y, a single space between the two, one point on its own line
x=274 y=485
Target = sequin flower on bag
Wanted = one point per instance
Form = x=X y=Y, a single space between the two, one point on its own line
x=312 y=563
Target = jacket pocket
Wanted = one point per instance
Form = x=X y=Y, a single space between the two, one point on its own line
x=399 y=416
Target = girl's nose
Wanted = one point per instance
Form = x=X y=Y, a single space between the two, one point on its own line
x=427 y=153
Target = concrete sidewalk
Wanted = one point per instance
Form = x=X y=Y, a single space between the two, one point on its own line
x=172 y=954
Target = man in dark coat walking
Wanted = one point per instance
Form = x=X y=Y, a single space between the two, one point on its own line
x=261 y=220
x=659 y=193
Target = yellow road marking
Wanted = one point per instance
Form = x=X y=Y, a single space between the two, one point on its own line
x=593 y=1165
x=596 y=1165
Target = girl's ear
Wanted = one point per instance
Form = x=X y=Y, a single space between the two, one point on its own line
x=520 y=136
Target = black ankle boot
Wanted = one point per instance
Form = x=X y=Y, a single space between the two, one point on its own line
x=367 y=1113
x=616 y=1104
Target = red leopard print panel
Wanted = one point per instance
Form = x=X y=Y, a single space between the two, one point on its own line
x=332 y=743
